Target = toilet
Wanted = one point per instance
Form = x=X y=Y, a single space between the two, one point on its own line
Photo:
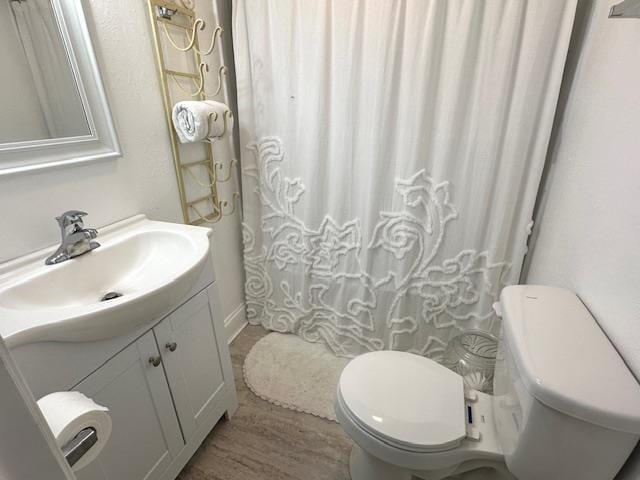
x=565 y=405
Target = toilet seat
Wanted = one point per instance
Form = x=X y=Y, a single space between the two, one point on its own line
x=405 y=400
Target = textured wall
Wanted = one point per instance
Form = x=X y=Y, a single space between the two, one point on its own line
x=588 y=236
x=141 y=181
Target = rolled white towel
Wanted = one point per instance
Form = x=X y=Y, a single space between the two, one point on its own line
x=197 y=121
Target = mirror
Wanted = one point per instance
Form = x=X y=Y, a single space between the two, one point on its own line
x=53 y=108
x=39 y=93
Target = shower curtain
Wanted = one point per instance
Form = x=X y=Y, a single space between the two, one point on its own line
x=55 y=85
x=392 y=151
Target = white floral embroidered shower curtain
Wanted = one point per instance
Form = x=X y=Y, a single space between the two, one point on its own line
x=392 y=151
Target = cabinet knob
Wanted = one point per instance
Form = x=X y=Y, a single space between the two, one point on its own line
x=155 y=361
x=171 y=346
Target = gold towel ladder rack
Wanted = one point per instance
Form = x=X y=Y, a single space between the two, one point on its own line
x=197 y=179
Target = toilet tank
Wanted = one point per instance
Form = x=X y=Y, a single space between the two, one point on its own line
x=566 y=406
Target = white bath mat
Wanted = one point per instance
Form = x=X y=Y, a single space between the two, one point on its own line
x=285 y=370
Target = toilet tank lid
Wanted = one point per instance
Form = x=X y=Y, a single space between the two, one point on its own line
x=565 y=360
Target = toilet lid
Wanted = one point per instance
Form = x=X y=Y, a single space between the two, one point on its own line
x=406 y=400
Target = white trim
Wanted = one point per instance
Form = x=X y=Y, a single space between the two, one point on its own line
x=235 y=323
x=102 y=142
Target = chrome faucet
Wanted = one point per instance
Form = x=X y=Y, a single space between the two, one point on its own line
x=76 y=240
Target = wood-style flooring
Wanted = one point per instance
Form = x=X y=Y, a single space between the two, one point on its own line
x=266 y=442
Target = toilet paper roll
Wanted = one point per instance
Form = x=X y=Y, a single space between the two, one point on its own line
x=67 y=413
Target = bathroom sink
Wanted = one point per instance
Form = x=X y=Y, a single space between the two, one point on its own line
x=141 y=271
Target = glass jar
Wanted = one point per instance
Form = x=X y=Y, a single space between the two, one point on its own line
x=472 y=354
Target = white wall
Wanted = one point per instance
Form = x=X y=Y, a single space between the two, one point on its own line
x=141 y=181
x=21 y=117
x=588 y=233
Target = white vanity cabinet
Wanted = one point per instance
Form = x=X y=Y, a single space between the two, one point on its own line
x=146 y=435
x=166 y=385
x=194 y=370
x=165 y=392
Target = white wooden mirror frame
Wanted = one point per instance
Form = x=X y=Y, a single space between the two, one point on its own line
x=102 y=142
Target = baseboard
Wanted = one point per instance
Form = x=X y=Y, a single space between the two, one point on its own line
x=235 y=322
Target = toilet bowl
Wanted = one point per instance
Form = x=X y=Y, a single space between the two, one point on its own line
x=403 y=428
x=561 y=409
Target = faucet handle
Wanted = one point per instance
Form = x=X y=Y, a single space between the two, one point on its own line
x=71 y=217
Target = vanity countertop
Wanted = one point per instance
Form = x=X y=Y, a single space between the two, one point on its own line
x=140 y=270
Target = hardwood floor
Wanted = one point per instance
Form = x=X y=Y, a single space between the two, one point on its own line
x=266 y=442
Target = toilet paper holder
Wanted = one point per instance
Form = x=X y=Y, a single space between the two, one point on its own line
x=79 y=445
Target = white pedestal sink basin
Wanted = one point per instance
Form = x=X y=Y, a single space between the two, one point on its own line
x=152 y=265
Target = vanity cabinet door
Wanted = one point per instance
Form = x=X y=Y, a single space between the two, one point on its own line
x=146 y=434
x=193 y=361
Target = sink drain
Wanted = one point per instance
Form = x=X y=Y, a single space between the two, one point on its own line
x=110 y=296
